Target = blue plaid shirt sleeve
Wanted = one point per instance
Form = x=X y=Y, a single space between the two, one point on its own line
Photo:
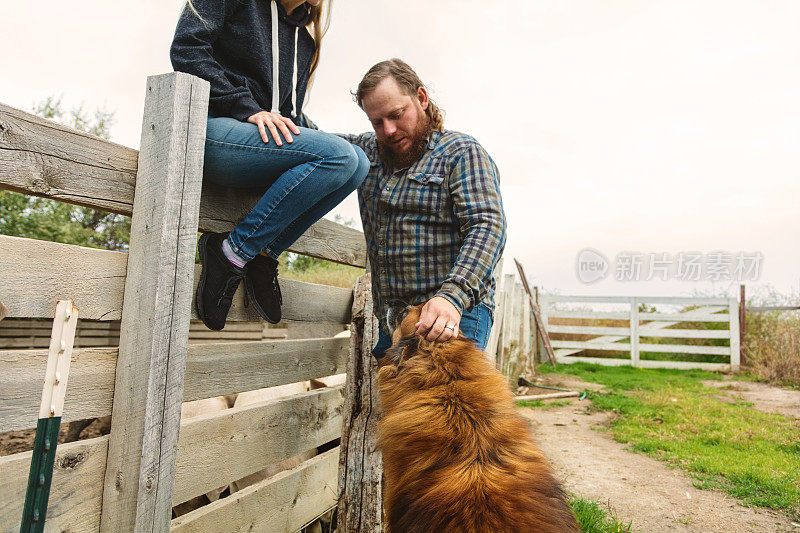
x=474 y=185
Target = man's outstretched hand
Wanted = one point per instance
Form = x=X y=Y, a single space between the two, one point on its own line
x=436 y=315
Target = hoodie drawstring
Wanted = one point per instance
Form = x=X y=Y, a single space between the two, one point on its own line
x=295 y=99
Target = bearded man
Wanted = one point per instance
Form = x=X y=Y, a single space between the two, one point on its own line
x=431 y=210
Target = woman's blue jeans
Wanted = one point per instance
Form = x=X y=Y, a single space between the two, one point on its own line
x=303 y=180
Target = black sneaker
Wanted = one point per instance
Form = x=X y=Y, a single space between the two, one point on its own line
x=218 y=281
x=263 y=289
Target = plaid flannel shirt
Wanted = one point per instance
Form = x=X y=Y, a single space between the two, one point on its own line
x=436 y=228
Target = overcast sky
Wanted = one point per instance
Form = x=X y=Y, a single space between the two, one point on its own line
x=650 y=126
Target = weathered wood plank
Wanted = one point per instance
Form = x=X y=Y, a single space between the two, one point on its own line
x=284 y=502
x=217 y=449
x=548 y=396
x=76 y=490
x=41 y=158
x=91 y=385
x=508 y=324
x=30 y=283
x=360 y=507
x=95 y=280
x=155 y=317
x=211 y=370
x=41 y=342
x=225 y=368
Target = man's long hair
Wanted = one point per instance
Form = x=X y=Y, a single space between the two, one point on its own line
x=408 y=81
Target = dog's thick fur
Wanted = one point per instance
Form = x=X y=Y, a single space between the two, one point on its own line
x=456 y=455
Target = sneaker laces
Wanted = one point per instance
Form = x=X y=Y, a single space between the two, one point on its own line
x=276 y=288
x=231 y=284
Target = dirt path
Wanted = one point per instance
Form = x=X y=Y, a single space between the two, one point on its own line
x=636 y=487
x=764 y=397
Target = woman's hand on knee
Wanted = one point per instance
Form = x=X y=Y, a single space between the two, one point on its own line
x=274 y=122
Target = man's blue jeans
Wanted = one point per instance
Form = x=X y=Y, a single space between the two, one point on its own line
x=475 y=324
x=303 y=180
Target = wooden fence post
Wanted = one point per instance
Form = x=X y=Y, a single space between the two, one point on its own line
x=634 y=331
x=733 y=316
x=528 y=364
x=360 y=462
x=544 y=308
x=137 y=495
x=742 y=326
x=536 y=351
x=497 y=319
x=508 y=318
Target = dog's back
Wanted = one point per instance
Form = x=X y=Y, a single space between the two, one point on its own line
x=457 y=457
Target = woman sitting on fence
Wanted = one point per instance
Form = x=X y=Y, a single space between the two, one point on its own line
x=259 y=56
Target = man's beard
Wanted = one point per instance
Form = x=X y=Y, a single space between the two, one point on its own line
x=419 y=141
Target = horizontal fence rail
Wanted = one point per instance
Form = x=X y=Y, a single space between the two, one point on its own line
x=211 y=370
x=33 y=333
x=95 y=281
x=41 y=158
x=642 y=328
x=284 y=502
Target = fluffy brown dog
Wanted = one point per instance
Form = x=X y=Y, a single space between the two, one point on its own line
x=456 y=455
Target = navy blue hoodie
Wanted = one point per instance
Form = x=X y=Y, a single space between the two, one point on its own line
x=231 y=47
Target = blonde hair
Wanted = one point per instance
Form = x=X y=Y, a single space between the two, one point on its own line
x=318 y=25
x=406 y=78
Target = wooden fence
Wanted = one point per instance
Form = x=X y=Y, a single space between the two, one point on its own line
x=512 y=338
x=130 y=479
x=28 y=333
x=707 y=327
x=694 y=329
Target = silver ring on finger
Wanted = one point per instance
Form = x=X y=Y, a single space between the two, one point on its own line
x=451 y=327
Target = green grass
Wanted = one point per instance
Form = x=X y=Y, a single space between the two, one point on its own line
x=670 y=415
x=541 y=404
x=319 y=271
x=592 y=518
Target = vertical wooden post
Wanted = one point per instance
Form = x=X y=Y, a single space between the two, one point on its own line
x=497 y=319
x=137 y=495
x=742 y=326
x=508 y=319
x=525 y=338
x=360 y=462
x=537 y=354
x=733 y=317
x=545 y=309
x=635 y=331
x=515 y=354
x=497 y=326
